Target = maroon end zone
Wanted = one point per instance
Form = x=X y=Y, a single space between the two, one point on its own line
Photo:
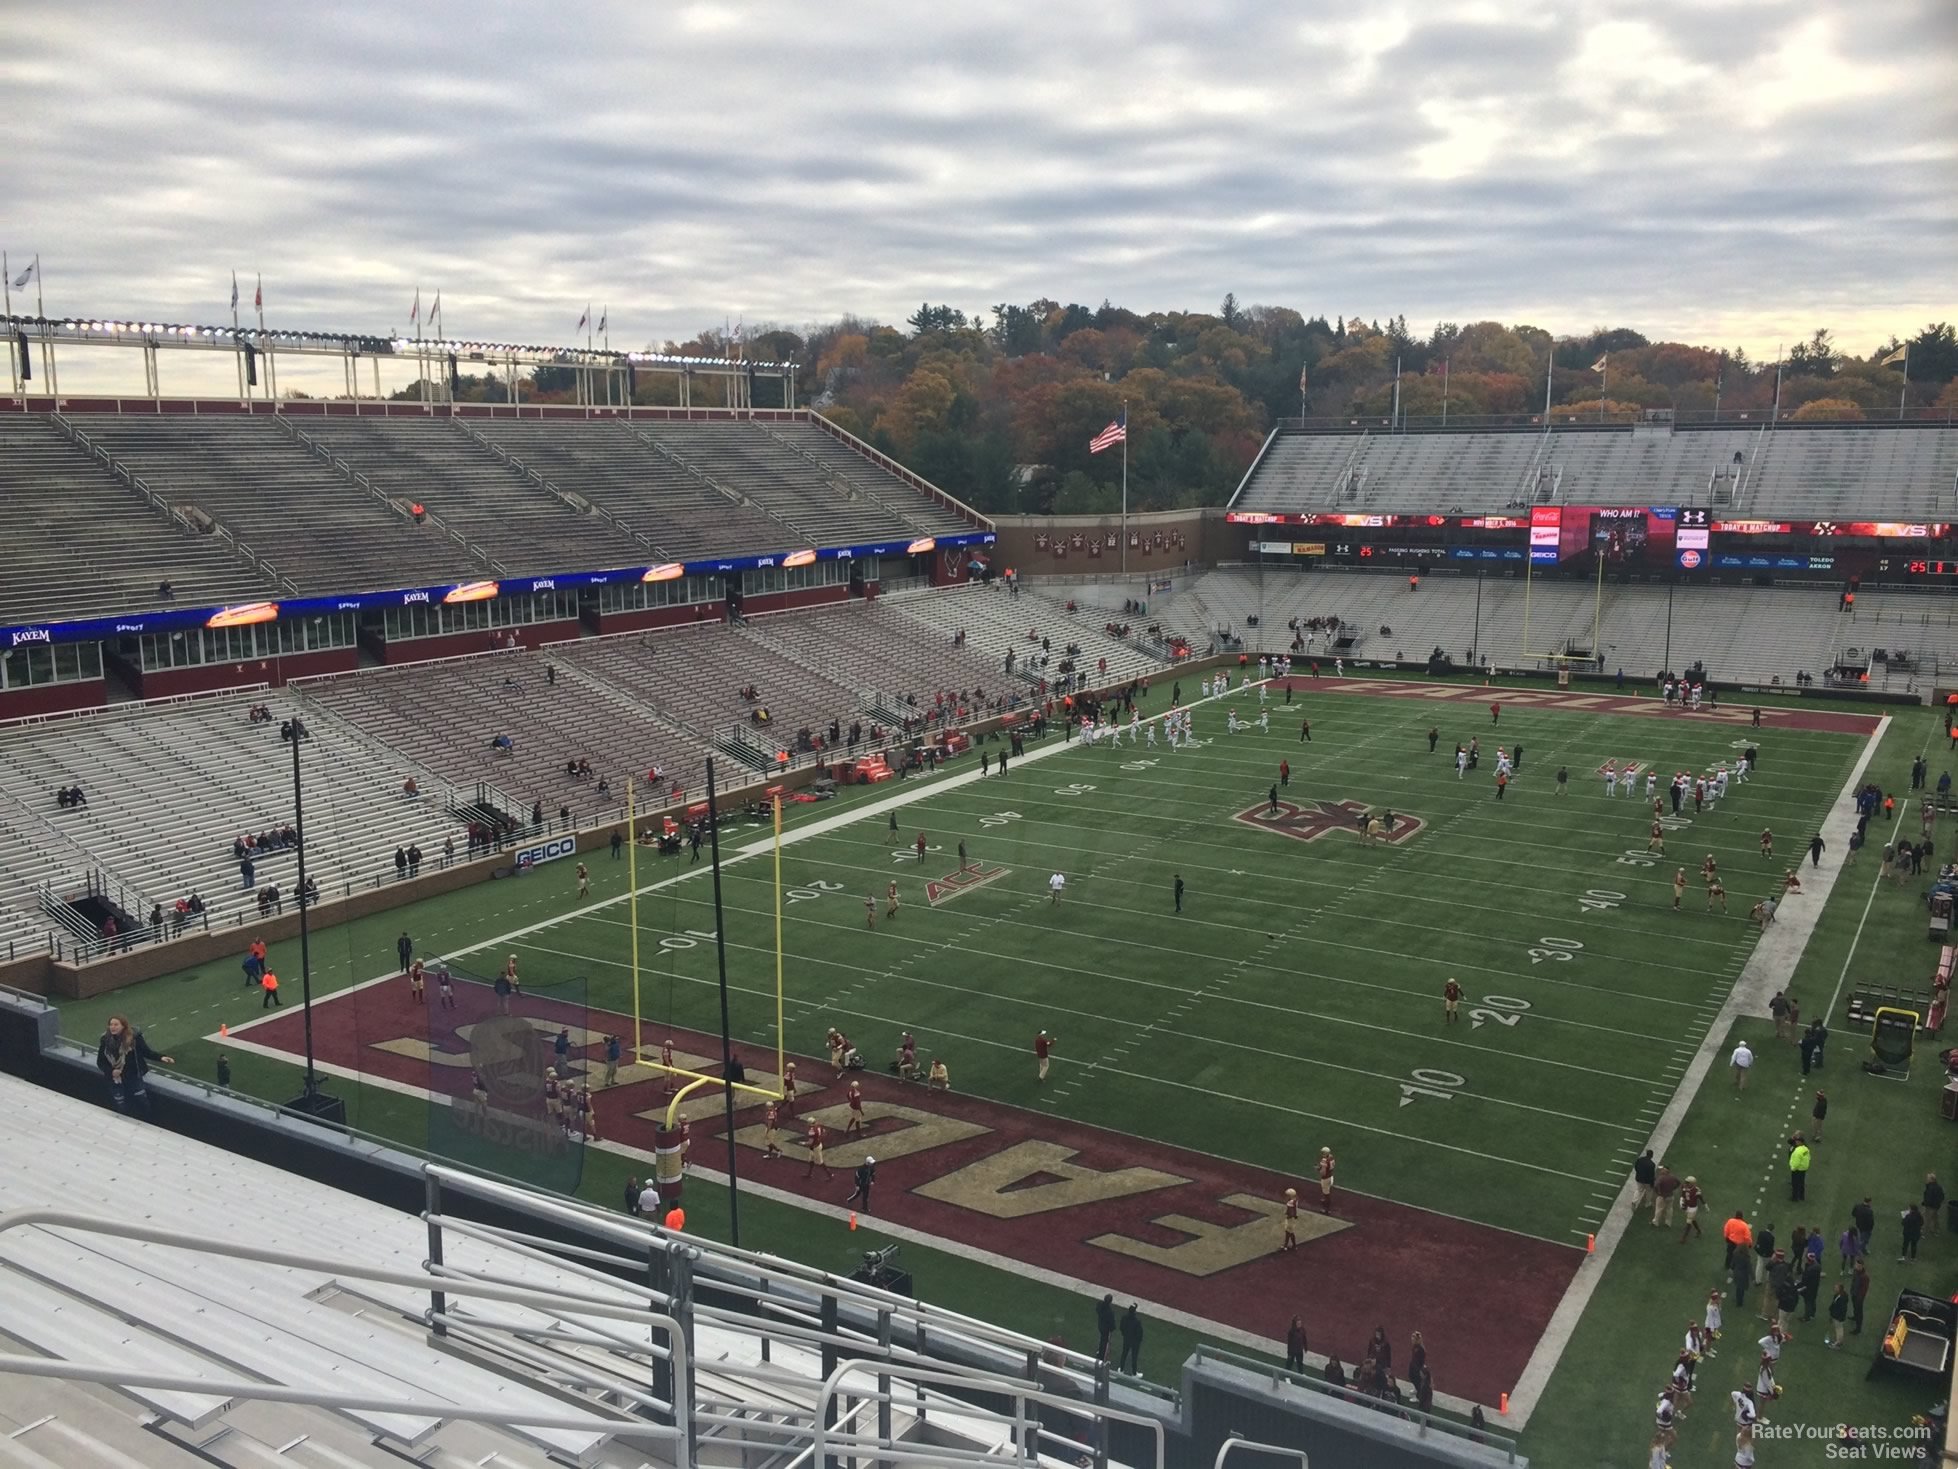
x=1196 y=1234
x=1738 y=713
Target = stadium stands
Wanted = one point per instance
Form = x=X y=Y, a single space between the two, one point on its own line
x=1750 y=634
x=445 y=715
x=696 y=675
x=310 y=526
x=171 y=788
x=995 y=621
x=1800 y=471
x=502 y=513
x=80 y=543
x=1856 y=474
x=532 y=1365
x=653 y=493
x=795 y=489
x=889 y=656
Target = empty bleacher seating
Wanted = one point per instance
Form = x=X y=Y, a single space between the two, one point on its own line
x=468 y=488
x=81 y=543
x=1795 y=470
x=302 y=519
x=170 y=788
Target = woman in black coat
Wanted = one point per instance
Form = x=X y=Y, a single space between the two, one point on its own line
x=123 y=1057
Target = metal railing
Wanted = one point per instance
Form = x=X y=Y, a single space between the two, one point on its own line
x=1425 y=1423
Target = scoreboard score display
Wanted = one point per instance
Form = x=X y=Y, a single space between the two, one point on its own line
x=1914 y=567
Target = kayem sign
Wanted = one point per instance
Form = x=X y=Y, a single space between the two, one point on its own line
x=549 y=851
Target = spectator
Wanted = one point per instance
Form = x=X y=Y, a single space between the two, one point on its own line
x=224 y=1070
x=123 y=1057
x=1933 y=1201
x=165 y=592
x=1132 y=1340
x=400 y=862
x=1335 y=1374
x=247 y=872
x=156 y=919
x=1295 y=1344
x=414 y=860
x=1913 y=1232
x=448 y=850
x=411 y=788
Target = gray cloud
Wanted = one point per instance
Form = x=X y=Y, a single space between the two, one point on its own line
x=1730 y=171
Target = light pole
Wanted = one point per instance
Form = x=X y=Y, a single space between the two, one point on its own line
x=312 y=1102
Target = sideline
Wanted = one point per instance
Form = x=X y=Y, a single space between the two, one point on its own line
x=1772 y=960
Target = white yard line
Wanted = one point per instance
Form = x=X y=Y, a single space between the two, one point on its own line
x=1772 y=960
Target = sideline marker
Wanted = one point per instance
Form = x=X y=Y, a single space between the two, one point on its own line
x=853 y=1221
x=1590 y=1244
x=223 y=1029
x=1503 y=1406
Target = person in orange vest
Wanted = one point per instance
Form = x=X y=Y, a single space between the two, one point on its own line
x=1739 y=1236
x=269 y=983
x=676 y=1218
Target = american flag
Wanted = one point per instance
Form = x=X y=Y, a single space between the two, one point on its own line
x=1116 y=433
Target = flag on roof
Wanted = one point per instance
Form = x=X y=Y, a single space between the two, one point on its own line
x=1598 y=366
x=258 y=294
x=435 y=310
x=1902 y=354
x=415 y=311
x=584 y=319
x=26 y=275
x=1116 y=433
x=603 y=316
x=234 y=290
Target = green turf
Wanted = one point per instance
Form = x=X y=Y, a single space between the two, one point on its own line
x=1294 y=1001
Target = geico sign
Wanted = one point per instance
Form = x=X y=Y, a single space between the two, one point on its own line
x=547 y=851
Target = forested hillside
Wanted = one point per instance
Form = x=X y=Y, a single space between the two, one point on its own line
x=999 y=407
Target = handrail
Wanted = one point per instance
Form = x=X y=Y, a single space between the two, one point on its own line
x=1018 y=1391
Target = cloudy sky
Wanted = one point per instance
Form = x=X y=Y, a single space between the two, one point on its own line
x=1731 y=172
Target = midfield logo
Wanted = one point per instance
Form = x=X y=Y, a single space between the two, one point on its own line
x=1310 y=820
x=944 y=889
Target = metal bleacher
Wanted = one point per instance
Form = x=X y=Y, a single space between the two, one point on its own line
x=752 y=460
x=1818 y=472
x=82 y=543
x=170 y=787
x=174 y=1304
x=466 y=487
x=1830 y=473
x=307 y=523
x=444 y=714
x=654 y=495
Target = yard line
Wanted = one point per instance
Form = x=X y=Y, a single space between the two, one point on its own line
x=1286 y=1009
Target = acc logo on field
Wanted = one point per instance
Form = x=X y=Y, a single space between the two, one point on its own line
x=1308 y=821
x=509 y=1055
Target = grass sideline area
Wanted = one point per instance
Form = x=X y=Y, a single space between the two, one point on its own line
x=1295 y=1001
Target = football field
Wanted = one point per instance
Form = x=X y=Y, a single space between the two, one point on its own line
x=1294 y=1003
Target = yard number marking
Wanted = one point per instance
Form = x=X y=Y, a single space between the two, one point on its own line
x=1633 y=858
x=999 y=818
x=814 y=889
x=1438 y=1084
x=1504 y=1010
x=1597 y=899
x=1076 y=789
x=1554 y=949
x=685 y=940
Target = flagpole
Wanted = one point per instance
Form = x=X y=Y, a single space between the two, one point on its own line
x=7 y=287
x=1905 y=387
x=1604 y=382
x=1125 y=486
x=47 y=345
x=237 y=353
x=1444 y=392
x=1549 y=361
x=1394 y=422
x=1774 y=417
